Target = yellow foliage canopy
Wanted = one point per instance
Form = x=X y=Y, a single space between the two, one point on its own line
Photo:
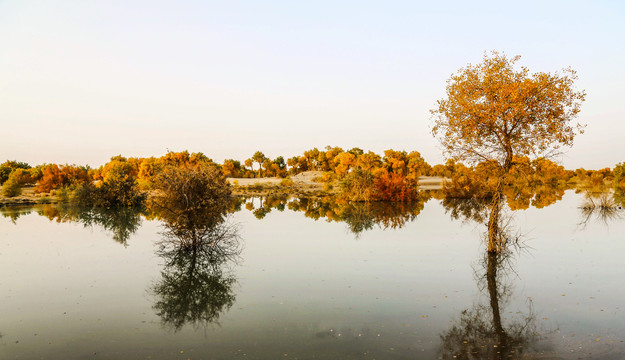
x=493 y=112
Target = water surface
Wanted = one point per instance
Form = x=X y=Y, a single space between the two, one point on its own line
x=91 y=286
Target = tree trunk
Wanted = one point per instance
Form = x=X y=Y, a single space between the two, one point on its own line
x=496 y=241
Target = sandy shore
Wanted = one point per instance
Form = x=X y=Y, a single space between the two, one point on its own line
x=306 y=178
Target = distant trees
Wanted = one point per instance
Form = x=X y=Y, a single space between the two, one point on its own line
x=259 y=158
x=392 y=177
x=232 y=168
x=119 y=184
x=54 y=176
x=9 y=166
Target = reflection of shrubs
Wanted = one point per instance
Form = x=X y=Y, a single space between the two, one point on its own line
x=359 y=216
x=603 y=206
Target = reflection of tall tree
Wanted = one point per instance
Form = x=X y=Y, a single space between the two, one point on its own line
x=198 y=247
x=481 y=332
x=486 y=206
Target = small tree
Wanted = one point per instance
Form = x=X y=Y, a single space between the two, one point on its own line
x=192 y=200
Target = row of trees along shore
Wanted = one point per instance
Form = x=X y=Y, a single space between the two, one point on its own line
x=360 y=175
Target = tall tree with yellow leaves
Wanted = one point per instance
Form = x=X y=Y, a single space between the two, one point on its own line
x=493 y=112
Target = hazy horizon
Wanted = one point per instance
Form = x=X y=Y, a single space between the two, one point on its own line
x=87 y=81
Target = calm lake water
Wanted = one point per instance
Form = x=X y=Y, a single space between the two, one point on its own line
x=304 y=288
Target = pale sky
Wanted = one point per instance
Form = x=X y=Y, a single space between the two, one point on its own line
x=81 y=81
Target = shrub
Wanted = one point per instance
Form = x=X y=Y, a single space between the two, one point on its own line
x=119 y=187
x=11 y=187
x=191 y=198
x=22 y=176
x=358 y=185
x=390 y=186
x=5 y=171
x=286 y=182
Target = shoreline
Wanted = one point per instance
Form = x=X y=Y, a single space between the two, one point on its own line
x=302 y=184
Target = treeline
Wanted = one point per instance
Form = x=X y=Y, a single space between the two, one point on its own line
x=360 y=175
x=120 y=182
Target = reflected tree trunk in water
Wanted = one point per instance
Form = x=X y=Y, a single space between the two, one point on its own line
x=491 y=278
x=481 y=332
